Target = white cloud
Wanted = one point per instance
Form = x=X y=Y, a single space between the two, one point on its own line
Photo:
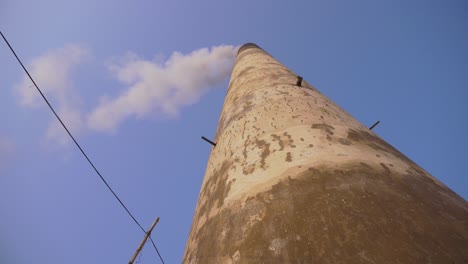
x=52 y=72
x=154 y=87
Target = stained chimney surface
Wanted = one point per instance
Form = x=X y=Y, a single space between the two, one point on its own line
x=294 y=178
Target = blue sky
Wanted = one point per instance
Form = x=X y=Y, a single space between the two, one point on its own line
x=402 y=62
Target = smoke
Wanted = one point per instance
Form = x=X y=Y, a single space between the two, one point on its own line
x=150 y=86
x=52 y=72
x=153 y=87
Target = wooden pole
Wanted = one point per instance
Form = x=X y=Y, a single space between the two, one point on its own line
x=143 y=241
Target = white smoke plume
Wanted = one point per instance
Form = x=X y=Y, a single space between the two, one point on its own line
x=153 y=87
x=52 y=72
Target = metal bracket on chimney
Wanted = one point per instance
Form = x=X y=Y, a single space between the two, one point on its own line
x=209 y=141
x=374 y=125
x=299 y=81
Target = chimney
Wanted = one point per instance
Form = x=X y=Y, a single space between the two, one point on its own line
x=296 y=179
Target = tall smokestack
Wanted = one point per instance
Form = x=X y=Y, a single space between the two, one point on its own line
x=293 y=178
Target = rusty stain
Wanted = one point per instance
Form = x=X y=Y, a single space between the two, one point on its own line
x=327 y=128
x=216 y=188
x=265 y=147
x=332 y=217
x=344 y=141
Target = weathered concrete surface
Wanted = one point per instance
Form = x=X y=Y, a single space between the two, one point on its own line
x=295 y=179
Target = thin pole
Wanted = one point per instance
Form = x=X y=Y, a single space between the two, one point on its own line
x=140 y=247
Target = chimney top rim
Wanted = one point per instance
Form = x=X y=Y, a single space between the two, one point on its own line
x=246 y=46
